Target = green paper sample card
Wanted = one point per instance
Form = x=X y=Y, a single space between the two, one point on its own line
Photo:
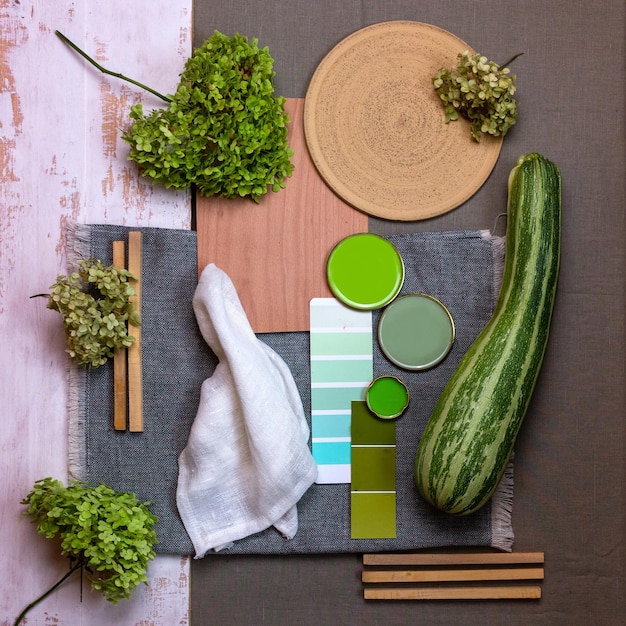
x=373 y=485
x=342 y=366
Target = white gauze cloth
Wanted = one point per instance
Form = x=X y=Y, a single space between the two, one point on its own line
x=247 y=460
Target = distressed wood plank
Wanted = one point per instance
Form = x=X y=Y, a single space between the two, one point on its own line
x=62 y=159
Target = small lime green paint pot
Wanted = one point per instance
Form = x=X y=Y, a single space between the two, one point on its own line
x=416 y=331
x=387 y=397
x=365 y=271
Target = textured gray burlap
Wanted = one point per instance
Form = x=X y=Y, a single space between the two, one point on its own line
x=460 y=268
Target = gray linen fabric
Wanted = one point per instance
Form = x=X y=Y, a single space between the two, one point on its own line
x=456 y=267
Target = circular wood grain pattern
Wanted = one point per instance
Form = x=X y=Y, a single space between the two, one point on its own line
x=375 y=127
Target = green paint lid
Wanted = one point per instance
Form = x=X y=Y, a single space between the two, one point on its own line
x=387 y=397
x=416 y=331
x=365 y=271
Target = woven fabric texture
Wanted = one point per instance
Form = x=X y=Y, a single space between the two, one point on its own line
x=456 y=267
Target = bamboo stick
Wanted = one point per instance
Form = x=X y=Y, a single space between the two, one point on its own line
x=428 y=571
x=452 y=575
x=135 y=377
x=455 y=593
x=120 y=370
x=482 y=558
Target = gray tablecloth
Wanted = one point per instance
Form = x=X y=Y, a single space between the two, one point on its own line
x=456 y=267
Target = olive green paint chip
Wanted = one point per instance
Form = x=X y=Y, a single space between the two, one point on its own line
x=373 y=515
x=374 y=468
x=373 y=475
x=367 y=430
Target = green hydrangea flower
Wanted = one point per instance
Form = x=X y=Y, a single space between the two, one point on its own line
x=109 y=535
x=224 y=131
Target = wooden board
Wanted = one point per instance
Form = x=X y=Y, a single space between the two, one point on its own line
x=275 y=252
x=63 y=160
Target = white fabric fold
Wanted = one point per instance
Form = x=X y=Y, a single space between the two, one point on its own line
x=247 y=460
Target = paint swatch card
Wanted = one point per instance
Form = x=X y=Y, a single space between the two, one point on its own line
x=373 y=485
x=341 y=369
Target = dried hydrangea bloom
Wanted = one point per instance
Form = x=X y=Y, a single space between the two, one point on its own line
x=479 y=90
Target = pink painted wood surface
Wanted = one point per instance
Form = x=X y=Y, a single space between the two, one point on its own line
x=275 y=252
x=62 y=159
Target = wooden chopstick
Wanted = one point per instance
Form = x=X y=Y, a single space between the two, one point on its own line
x=431 y=573
x=456 y=593
x=453 y=575
x=119 y=358
x=463 y=558
x=135 y=378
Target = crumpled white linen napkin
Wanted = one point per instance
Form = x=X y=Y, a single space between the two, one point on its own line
x=247 y=461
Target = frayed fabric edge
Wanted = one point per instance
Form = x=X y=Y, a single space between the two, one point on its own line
x=77 y=444
x=78 y=239
x=498 y=249
x=502 y=535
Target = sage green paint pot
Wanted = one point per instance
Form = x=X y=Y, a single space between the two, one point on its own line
x=416 y=331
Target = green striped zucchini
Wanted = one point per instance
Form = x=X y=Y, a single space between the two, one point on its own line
x=470 y=435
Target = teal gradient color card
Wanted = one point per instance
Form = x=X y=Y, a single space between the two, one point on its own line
x=341 y=369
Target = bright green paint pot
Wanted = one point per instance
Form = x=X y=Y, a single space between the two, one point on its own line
x=387 y=397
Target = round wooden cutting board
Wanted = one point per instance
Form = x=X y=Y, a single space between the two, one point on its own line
x=375 y=127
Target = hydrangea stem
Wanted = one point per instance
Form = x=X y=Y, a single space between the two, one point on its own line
x=34 y=603
x=109 y=72
x=515 y=56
